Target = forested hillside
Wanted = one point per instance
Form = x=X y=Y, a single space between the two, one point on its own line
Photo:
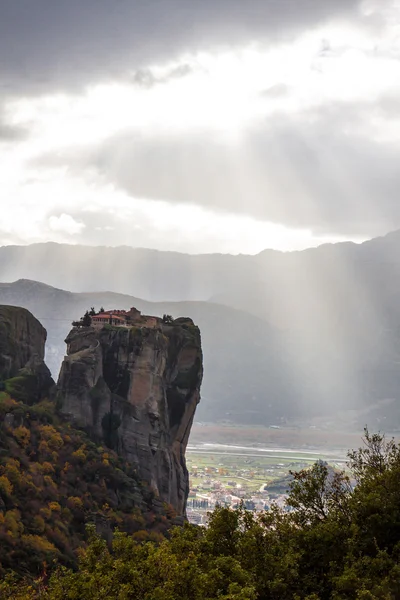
x=334 y=542
x=53 y=480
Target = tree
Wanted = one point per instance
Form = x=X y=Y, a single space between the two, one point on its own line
x=167 y=319
x=336 y=542
x=316 y=492
x=84 y=321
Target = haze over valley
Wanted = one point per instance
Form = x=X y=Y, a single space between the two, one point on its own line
x=238 y=164
x=308 y=337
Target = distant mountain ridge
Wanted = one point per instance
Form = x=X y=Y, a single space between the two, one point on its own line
x=238 y=348
x=285 y=334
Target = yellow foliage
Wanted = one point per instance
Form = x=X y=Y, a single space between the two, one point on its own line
x=7 y=402
x=46 y=431
x=54 y=506
x=141 y=536
x=35 y=468
x=44 y=447
x=39 y=544
x=67 y=467
x=22 y=435
x=6 y=487
x=51 y=436
x=45 y=512
x=80 y=454
x=12 y=471
x=75 y=502
x=48 y=480
x=12 y=522
x=47 y=468
x=56 y=442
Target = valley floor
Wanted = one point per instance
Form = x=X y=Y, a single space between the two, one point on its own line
x=229 y=464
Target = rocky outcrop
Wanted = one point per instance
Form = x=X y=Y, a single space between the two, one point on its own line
x=137 y=389
x=22 y=345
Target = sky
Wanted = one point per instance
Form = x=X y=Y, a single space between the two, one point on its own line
x=201 y=126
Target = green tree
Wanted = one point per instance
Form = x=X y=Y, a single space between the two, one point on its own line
x=332 y=543
x=86 y=319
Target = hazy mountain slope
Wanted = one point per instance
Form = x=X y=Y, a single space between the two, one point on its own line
x=145 y=273
x=159 y=276
x=245 y=374
x=324 y=330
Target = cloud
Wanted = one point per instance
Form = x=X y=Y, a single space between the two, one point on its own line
x=322 y=169
x=160 y=225
x=275 y=91
x=47 y=45
x=147 y=77
x=10 y=132
x=303 y=133
x=65 y=224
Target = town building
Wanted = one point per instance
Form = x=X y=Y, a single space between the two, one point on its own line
x=108 y=318
x=124 y=318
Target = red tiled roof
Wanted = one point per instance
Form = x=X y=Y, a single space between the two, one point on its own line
x=108 y=316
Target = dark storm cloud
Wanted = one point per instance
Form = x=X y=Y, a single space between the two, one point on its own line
x=47 y=44
x=310 y=171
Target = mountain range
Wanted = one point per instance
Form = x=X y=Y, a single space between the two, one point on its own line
x=286 y=336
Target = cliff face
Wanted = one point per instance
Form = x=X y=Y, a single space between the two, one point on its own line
x=22 y=344
x=137 y=390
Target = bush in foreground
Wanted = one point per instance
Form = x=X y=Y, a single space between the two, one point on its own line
x=337 y=543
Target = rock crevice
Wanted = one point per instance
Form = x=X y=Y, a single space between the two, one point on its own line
x=137 y=389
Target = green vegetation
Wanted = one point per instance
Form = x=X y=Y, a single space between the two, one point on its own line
x=167 y=319
x=246 y=469
x=53 y=481
x=86 y=320
x=23 y=387
x=337 y=543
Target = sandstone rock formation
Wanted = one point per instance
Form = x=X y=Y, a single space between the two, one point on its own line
x=137 y=389
x=22 y=347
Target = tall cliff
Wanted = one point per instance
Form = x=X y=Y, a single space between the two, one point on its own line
x=137 y=390
x=22 y=345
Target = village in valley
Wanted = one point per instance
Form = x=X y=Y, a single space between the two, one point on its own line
x=257 y=477
x=224 y=481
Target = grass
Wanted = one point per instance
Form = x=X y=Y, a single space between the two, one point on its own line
x=249 y=472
